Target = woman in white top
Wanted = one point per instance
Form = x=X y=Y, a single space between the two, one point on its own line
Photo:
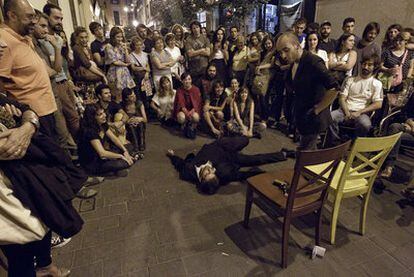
x=343 y=60
x=161 y=62
x=220 y=54
x=312 y=45
x=163 y=100
x=177 y=69
x=140 y=68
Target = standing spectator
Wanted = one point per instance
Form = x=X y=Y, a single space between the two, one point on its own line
x=178 y=68
x=398 y=62
x=161 y=62
x=326 y=43
x=94 y=157
x=299 y=28
x=178 y=31
x=84 y=63
x=213 y=109
x=60 y=83
x=187 y=105
x=155 y=35
x=239 y=60
x=98 y=45
x=343 y=60
x=136 y=119
x=198 y=50
x=367 y=46
x=392 y=31
x=314 y=87
x=234 y=33
x=33 y=87
x=348 y=26
x=253 y=57
x=243 y=116
x=118 y=60
x=220 y=54
x=143 y=31
x=312 y=45
x=140 y=70
x=204 y=31
x=163 y=101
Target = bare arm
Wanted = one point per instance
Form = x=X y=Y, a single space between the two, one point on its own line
x=98 y=59
x=349 y=64
x=344 y=105
x=251 y=116
x=159 y=65
x=116 y=141
x=58 y=62
x=102 y=152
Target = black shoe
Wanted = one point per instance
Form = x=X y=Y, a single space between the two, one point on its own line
x=86 y=193
x=408 y=193
x=257 y=135
x=289 y=153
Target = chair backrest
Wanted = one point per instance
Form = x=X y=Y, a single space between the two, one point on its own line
x=366 y=158
x=316 y=185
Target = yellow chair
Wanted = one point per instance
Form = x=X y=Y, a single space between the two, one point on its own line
x=356 y=176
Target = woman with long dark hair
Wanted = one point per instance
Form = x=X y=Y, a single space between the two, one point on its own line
x=312 y=45
x=392 y=31
x=100 y=151
x=117 y=58
x=137 y=119
x=220 y=54
x=343 y=60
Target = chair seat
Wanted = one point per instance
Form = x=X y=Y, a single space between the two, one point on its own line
x=350 y=185
x=263 y=183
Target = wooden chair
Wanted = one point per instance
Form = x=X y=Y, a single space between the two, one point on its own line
x=304 y=196
x=356 y=176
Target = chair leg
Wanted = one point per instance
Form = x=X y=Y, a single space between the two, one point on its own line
x=318 y=227
x=248 y=206
x=363 y=216
x=334 y=218
x=285 y=241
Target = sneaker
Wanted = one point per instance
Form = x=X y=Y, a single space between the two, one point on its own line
x=52 y=270
x=59 y=241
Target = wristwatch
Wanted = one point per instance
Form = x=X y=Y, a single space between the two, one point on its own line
x=32 y=118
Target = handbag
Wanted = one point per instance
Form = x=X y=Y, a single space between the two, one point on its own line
x=398 y=77
x=86 y=75
x=260 y=84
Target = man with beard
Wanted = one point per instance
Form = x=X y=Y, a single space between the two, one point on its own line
x=360 y=96
x=60 y=84
x=205 y=83
x=326 y=43
x=142 y=31
x=367 y=46
x=23 y=73
x=315 y=89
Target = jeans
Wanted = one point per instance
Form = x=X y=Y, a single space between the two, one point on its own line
x=362 y=125
x=405 y=139
x=20 y=257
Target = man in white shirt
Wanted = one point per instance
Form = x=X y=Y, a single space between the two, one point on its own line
x=360 y=96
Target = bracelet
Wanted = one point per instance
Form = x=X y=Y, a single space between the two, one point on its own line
x=32 y=118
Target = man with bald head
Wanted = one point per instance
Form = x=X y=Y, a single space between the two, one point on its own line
x=23 y=73
x=315 y=89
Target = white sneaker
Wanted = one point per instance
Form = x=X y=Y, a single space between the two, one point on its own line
x=59 y=241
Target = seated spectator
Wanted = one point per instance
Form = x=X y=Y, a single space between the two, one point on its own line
x=348 y=27
x=187 y=105
x=100 y=151
x=299 y=28
x=161 y=62
x=312 y=45
x=214 y=108
x=163 y=101
x=326 y=43
x=233 y=89
x=410 y=43
x=136 y=119
x=360 y=96
x=207 y=80
x=85 y=67
x=392 y=31
x=366 y=46
x=239 y=59
x=117 y=58
x=243 y=116
x=343 y=60
x=398 y=62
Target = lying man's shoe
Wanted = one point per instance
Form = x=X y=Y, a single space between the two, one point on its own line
x=86 y=193
x=52 y=270
x=289 y=153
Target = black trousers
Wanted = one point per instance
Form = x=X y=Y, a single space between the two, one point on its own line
x=48 y=126
x=21 y=257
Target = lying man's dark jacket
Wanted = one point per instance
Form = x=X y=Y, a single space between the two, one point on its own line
x=225 y=157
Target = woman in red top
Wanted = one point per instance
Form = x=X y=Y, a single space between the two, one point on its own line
x=187 y=105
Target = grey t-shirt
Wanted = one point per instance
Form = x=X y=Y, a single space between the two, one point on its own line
x=198 y=64
x=60 y=76
x=363 y=52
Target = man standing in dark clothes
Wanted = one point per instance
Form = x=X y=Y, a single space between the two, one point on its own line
x=98 y=45
x=219 y=163
x=314 y=86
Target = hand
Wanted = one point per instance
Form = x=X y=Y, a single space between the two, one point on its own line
x=17 y=142
x=311 y=113
x=355 y=115
x=407 y=128
x=181 y=59
x=170 y=153
x=245 y=131
x=12 y=110
x=216 y=132
x=105 y=80
x=3 y=46
x=127 y=158
x=52 y=40
x=118 y=124
x=348 y=116
x=258 y=70
x=250 y=133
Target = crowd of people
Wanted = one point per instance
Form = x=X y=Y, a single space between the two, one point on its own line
x=93 y=99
